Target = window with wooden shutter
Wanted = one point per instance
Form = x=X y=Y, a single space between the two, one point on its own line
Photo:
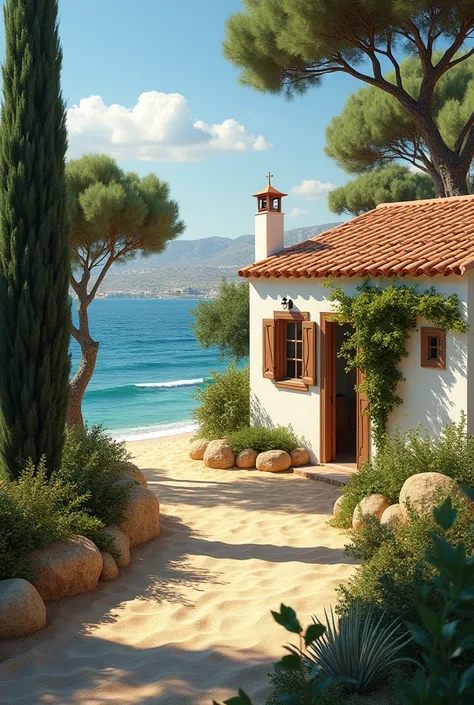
x=309 y=352
x=433 y=348
x=289 y=350
x=268 y=364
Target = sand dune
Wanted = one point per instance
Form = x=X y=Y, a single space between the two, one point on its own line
x=189 y=620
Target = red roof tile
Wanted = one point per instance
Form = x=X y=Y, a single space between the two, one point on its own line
x=414 y=238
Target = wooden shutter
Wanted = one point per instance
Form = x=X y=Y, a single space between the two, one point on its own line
x=309 y=352
x=363 y=425
x=268 y=361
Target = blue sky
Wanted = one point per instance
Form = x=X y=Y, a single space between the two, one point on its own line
x=120 y=49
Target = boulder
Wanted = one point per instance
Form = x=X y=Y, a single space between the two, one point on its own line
x=141 y=516
x=131 y=473
x=65 y=568
x=247 y=458
x=22 y=610
x=392 y=516
x=121 y=545
x=423 y=492
x=219 y=455
x=299 y=456
x=372 y=506
x=273 y=461
x=197 y=449
x=337 y=506
x=109 y=569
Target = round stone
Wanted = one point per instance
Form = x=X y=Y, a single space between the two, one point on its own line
x=372 y=506
x=22 y=611
x=392 y=516
x=247 y=458
x=337 y=505
x=121 y=544
x=299 y=456
x=219 y=455
x=109 y=569
x=273 y=461
x=197 y=449
x=141 y=516
x=423 y=492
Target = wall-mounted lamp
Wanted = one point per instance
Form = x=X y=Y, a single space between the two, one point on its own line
x=287 y=304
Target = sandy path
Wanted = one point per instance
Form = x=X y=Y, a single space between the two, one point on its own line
x=189 y=619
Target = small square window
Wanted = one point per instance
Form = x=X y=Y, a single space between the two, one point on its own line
x=433 y=348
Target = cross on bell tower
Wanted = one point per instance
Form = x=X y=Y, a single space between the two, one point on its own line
x=269 y=221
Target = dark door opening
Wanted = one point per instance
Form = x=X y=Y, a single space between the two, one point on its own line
x=346 y=402
x=345 y=424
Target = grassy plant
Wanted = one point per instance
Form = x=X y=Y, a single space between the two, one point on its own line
x=91 y=462
x=35 y=511
x=263 y=439
x=223 y=403
x=360 y=650
x=406 y=454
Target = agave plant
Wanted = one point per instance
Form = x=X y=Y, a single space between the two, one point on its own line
x=358 y=651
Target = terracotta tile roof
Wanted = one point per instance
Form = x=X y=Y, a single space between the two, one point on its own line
x=396 y=239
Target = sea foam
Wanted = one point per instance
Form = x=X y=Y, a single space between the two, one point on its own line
x=145 y=433
x=174 y=383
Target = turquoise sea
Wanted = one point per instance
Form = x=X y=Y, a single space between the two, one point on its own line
x=148 y=365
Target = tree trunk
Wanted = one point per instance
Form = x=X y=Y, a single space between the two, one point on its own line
x=89 y=351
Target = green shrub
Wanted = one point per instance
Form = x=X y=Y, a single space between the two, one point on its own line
x=406 y=454
x=263 y=439
x=395 y=564
x=35 y=511
x=91 y=461
x=224 y=403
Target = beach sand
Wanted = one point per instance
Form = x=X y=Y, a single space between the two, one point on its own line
x=189 y=620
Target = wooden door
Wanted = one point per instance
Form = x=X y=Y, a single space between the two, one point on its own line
x=362 y=425
x=328 y=389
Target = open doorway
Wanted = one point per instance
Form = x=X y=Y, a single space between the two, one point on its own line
x=346 y=403
x=345 y=432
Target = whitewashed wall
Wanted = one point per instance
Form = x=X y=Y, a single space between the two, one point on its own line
x=431 y=397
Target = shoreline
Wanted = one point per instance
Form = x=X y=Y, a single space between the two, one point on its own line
x=173 y=436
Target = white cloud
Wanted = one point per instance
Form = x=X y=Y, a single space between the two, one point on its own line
x=295 y=212
x=160 y=127
x=414 y=169
x=313 y=190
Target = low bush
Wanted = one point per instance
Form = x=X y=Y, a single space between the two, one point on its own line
x=224 y=403
x=91 y=461
x=395 y=564
x=262 y=439
x=35 y=511
x=406 y=454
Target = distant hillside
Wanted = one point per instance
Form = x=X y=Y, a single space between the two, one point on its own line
x=217 y=251
x=199 y=264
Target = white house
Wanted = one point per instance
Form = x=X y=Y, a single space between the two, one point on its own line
x=296 y=376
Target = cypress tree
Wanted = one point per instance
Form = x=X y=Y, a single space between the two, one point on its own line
x=34 y=247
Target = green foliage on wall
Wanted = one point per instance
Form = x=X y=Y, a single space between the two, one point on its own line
x=383 y=318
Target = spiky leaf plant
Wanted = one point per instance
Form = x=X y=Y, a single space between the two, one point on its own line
x=358 y=650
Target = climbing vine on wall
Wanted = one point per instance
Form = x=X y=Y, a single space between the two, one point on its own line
x=382 y=319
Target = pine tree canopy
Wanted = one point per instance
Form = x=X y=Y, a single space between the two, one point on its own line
x=116 y=215
x=374 y=128
x=34 y=240
x=287 y=46
x=386 y=185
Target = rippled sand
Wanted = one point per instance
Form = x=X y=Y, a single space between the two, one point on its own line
x=189 y=620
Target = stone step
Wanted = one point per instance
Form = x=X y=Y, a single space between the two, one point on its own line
x=322 y=473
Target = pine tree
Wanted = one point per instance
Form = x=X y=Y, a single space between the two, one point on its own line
x=34 y=246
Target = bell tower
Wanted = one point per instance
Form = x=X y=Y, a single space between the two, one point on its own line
x=269 y=221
